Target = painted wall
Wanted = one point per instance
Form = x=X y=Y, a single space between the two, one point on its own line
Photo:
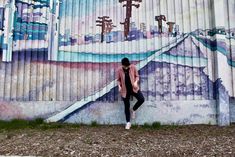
x=59 y=59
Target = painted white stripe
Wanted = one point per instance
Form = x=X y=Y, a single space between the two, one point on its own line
x=226 y=67
x=184 y=61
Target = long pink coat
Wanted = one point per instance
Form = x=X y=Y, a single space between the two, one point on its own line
x=134 y=76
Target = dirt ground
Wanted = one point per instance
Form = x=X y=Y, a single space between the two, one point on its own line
x=95 y=141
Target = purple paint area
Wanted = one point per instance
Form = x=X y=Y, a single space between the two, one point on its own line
x=31 y=55
x=186 y=49
x=166 y=76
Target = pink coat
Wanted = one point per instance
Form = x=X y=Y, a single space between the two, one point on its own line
x=134 y=76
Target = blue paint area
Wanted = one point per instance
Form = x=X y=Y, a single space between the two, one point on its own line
x=30 y=31
x=214 y=46
x=100 y=58
x=26 y=25
x=222 y=98
x=219 y=87
x=1 y=41
x=109 y=58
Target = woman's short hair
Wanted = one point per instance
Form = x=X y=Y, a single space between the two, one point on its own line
x=125 y=62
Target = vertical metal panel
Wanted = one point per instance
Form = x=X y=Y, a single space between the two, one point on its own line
x=230 y=38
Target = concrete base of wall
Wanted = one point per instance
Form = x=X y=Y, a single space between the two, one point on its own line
x=232 y=110
x=166 y=112
x=30 y=109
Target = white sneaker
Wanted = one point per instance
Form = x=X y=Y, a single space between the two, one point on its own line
x=128 y=126
x=133 y=114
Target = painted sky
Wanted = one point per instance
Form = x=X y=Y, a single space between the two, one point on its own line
x=80 y=15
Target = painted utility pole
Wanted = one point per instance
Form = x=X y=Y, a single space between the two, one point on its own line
x=129 y=4
x=171 y=25
x=126 y=26
x=103 y=22
x=159 y=19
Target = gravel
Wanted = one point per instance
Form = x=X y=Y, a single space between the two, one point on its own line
x=105 y=141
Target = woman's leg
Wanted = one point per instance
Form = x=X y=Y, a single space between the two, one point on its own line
x=140 y=100
x=127 y=108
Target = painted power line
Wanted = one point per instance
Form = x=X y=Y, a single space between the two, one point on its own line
x=129 y=4
x=106 y=25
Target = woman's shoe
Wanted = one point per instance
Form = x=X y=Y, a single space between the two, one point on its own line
x=128 y=126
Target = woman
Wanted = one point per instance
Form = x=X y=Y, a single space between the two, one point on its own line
x=128 y=78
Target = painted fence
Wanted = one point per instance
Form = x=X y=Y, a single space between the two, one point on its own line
x=59 y=59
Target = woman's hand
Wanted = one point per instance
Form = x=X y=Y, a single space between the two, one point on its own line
x=135 y=84
x=119 y=88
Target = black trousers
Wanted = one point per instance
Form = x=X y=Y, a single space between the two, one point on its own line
x=140 y=100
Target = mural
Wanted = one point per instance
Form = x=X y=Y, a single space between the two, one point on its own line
x=59 y=59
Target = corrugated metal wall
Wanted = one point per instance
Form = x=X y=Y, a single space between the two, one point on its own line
x=69 y=50
x=230 y=38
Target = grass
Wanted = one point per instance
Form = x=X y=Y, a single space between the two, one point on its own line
x=17 y=124
x=154 y=125
x=94 y=124
x=158 y=125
